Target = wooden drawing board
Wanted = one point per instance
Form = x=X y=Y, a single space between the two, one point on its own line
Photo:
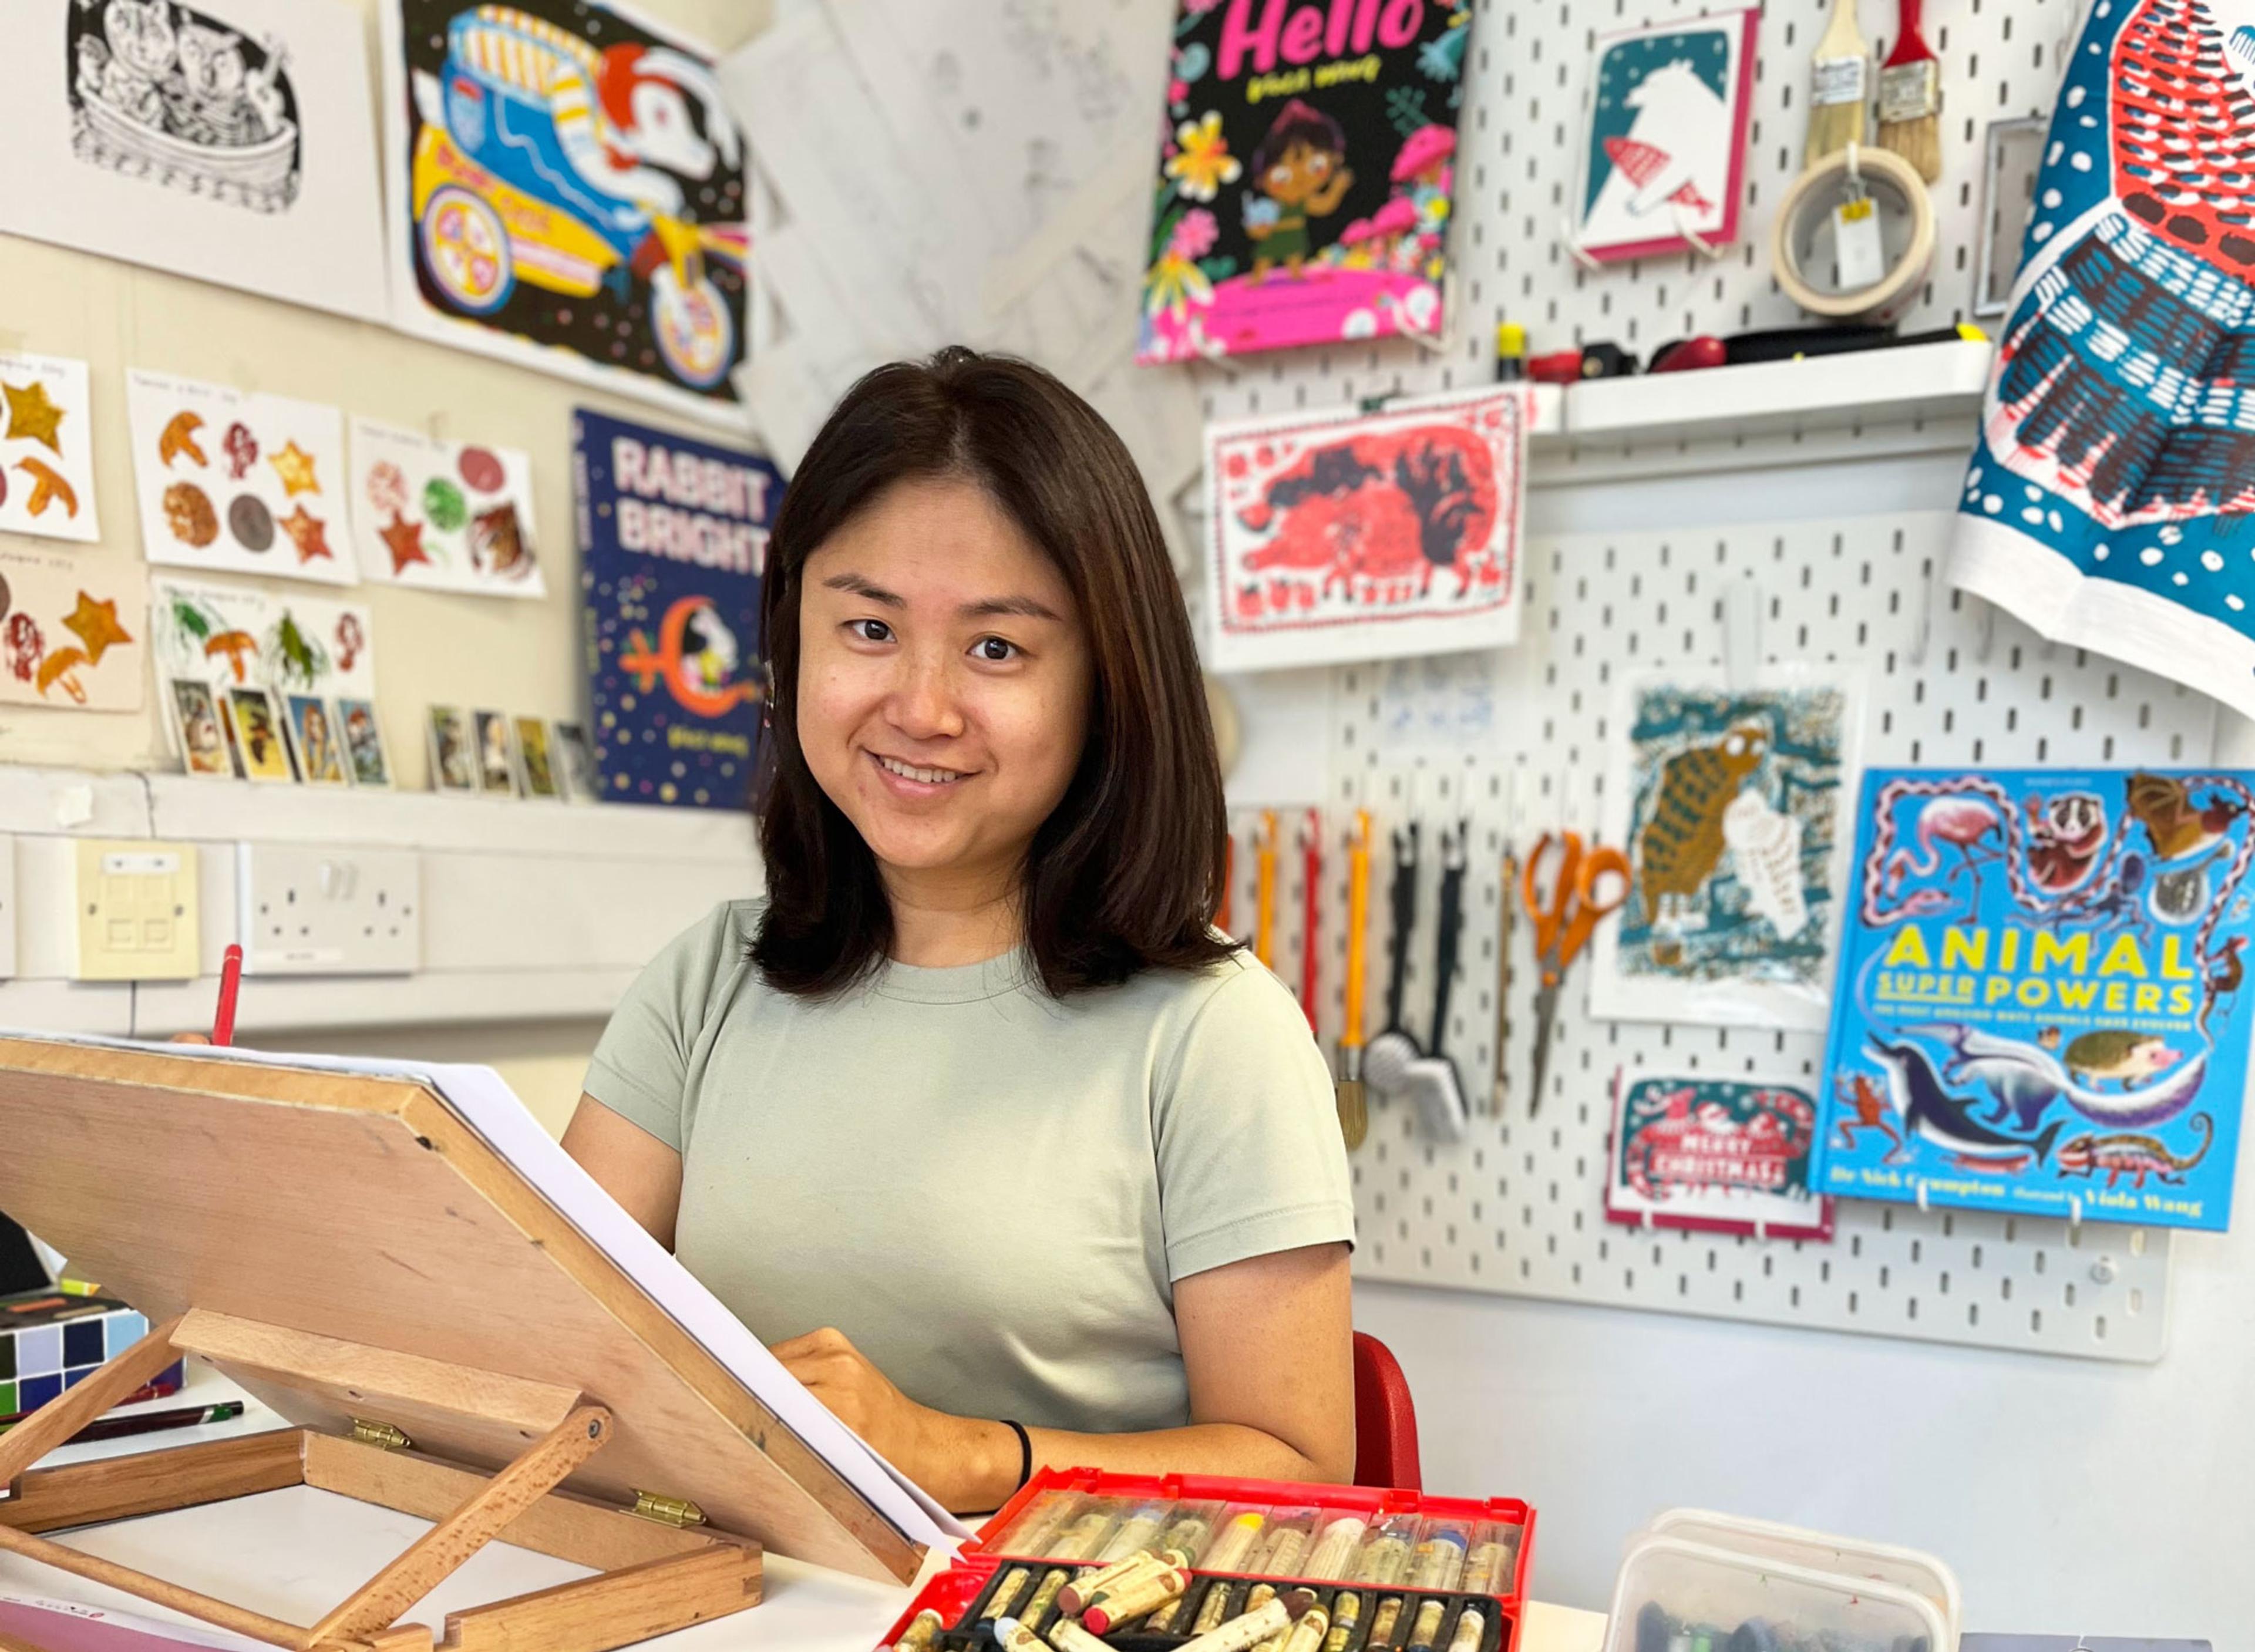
x=363 y=1210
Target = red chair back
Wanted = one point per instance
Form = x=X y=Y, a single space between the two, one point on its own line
x=1385 y=1420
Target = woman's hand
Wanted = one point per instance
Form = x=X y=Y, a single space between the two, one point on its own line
x=956 y=1459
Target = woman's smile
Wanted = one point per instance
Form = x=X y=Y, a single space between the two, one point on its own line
x=916 y=780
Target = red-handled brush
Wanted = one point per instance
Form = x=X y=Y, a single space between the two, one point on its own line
x=1910 y=96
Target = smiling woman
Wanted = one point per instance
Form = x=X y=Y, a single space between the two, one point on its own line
x=1014 y=1158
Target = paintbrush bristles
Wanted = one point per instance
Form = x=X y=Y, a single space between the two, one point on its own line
x=1918 y=142
x=1910 y=115
x=1833 y=127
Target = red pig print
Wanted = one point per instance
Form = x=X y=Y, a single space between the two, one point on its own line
x=1375 y=517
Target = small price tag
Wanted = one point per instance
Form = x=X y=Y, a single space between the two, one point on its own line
x=1856 y=243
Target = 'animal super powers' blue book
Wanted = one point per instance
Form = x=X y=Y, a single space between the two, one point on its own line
x=2040 y=1005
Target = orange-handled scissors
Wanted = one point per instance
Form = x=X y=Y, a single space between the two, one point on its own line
x=1565 y=892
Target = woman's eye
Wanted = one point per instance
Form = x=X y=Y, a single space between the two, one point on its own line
x=870 y=630
x=994 y=650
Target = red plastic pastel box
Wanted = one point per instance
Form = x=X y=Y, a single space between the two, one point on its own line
x=1388 y=1570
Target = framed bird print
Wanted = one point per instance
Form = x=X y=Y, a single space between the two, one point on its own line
x=1730 y=802
x=1664 y=137
x=566 y=188
x=2042 y=1005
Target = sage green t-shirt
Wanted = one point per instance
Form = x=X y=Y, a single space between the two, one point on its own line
x=990 y=1190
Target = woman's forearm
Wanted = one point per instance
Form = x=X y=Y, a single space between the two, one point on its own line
x=982 y=1459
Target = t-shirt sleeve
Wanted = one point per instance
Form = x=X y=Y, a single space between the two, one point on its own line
x=641 y=1066
x=1251 y=1160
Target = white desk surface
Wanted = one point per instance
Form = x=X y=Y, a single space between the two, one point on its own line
x=294 y=1554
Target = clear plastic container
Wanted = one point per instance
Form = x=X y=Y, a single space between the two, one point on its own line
x=1886 y=1563
x=1674 y=1592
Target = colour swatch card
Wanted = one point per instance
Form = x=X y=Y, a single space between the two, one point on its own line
x=47 y=448
x=71 y=633
x=237 y=481
x=1306 y=170
x=1343 y=535
x=444 y=516
x=2040 y=1006
x=232 y=635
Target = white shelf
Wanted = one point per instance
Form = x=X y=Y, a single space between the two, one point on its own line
x=1919 y=381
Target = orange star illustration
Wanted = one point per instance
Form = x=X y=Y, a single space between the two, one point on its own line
x=97 y=625
x=404 y=540
x=32 y=417
x=307 y=533
x=297 y=468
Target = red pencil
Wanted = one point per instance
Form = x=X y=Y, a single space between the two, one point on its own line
x=230 y=982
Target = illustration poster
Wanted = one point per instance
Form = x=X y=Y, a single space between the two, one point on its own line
x=1728 y=802
x=2040 y=1007
x=2116 y=462
x=47 y=448
x=443 y=516
x=228 y=636
x=230 y=140
x=1664 y=145
x=1723 y=1155
x=72 y=631
x=1347 y=536
x=567 y=192
x=238 y=482
x=673 y=538
x=1306 y=171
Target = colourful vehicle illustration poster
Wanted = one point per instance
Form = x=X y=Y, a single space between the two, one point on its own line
x=2039 y=1007
x=568 y=192
x=1306 y=164
x=673 y=538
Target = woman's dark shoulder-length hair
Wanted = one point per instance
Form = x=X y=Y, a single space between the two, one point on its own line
x=1126 y=872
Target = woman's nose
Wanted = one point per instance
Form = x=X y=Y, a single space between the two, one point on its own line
x=924 y=704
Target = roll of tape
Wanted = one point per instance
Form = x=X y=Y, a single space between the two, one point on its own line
x=1818 y=191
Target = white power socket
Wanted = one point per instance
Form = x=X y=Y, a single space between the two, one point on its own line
x=329 y=912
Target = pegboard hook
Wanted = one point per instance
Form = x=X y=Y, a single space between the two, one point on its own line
x=1574 y=249
x=1741 y=634
x=1921 y=1194
x=2074 y=1215
x=1930 y=613
x=1699 y=244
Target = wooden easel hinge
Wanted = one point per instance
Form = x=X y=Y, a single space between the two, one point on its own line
x=667 y=1511
x=383 y=1435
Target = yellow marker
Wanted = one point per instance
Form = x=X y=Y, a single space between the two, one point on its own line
x=1335 y=1550
x=1429 y=1626
x=1133 y=1596
x=1484 y=1572
x=1470 y=1628
x=920 y=1634
x=1032 y=1615
x=1076 y=1595
x=1264 y=922
x=1006 y=1592
x=1346 y=1614
x=1068 y=1637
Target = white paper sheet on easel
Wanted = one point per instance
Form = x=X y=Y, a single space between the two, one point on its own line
x=484 y=1101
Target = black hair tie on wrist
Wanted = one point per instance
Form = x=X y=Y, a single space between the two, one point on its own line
x=1025 y=1453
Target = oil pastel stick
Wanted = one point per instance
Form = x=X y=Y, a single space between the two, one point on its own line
x=1347 y=1616
x=1242 y=1634
x=1440 y=1561
x=1235 y=1542
x=1335 y=1550
x=1427 y=1628
x=921 y=1632
x=1383 y=1623
x=1031 y=1617
x=1485 y=1569
x=1068 y=1637
x=1013 y=1636
x=1307 y=1633
x=1470 y=1628
x=1140 y=1592
x=1007 y=1592
x=1135 y=1532
x=1073 y=1599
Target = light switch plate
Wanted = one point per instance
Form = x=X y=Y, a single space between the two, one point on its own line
x=135 y=901
x=329 y=911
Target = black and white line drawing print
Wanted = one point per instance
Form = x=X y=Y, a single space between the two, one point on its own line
x=161 y=91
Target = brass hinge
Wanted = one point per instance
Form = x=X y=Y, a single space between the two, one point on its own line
x=667 y=1511
x=383 y=1435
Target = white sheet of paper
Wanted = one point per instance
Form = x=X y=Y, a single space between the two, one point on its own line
x=236 y=481
x=443 y=516
x=484 y=1101
x=274 y=193
x=47 y=448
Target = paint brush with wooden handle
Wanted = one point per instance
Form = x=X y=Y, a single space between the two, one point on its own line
x=1353 y=1106
x=1910 y=96
x=1839 y=86
x=1311 y=878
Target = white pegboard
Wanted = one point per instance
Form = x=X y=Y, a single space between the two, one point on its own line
x=1517 y=1207
x=1525 y=81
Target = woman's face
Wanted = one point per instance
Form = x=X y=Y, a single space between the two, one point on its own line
x=943 y=681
